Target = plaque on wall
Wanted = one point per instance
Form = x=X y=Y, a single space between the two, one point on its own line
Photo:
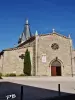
x=44 y=58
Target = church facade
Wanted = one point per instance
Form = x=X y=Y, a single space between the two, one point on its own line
x=51 y=54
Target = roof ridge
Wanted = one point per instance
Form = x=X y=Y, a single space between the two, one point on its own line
x=56 y=34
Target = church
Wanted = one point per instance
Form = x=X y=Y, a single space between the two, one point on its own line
x=51 y=54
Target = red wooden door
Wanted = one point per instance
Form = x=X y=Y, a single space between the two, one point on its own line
x=53 y=71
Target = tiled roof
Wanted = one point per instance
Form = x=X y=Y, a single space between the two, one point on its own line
x=29 y=40
x=20 y=46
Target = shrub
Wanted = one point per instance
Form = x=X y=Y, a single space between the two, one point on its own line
x=0 y=75
x=6 y=75
x=21 y=75
x=10 y=74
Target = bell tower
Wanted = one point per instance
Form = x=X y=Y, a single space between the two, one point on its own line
x=26 y=34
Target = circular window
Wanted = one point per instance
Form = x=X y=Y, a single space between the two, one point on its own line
x=55 y=46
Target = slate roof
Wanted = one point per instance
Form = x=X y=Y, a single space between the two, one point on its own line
x=26 y=34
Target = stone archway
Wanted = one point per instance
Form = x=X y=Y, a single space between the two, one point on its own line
x=55 y=68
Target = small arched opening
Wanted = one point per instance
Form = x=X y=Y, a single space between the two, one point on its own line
x=55 y=68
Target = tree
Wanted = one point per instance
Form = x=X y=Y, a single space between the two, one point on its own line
x=27 y=63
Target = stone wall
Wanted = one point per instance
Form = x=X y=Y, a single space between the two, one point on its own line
x=12 y=63
x=73 y=62
x=63 y=54
x=1 y=63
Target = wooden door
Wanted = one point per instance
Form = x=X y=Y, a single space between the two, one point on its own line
x=58 y=70
x=53 y=71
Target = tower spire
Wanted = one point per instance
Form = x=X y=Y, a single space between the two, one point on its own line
x=27 y=31
x=26 y=34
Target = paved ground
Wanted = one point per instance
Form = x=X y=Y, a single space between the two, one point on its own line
x=37 y=87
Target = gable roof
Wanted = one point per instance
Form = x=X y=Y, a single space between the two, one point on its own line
x=29 y=40
x=19 y=46
x=55 y=34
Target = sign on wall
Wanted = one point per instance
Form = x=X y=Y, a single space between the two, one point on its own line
x=44 y=58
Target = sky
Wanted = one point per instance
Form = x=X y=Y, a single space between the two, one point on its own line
x=43 y=16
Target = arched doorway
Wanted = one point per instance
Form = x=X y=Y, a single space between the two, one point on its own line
x=56 y=68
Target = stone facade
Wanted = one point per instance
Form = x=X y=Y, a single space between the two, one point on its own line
x=63 y=54
x=45 y=50
x=73 y=62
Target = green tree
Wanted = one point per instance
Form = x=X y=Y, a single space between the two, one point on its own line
x=27 y=63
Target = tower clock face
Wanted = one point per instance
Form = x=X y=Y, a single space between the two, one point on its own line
x=55 y=46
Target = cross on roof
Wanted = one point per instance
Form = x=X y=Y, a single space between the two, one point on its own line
x=53 y=30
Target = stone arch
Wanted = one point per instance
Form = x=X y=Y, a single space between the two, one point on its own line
x=56 y=63
x=56 y=67
x=56 y=59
